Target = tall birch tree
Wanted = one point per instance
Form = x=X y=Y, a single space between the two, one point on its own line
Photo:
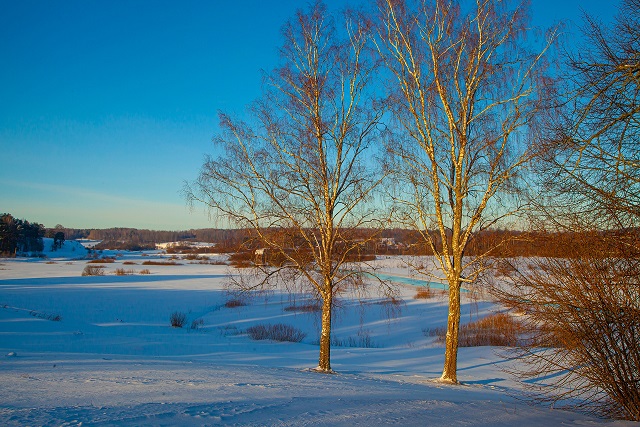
x=298 y=174
x=465 y=93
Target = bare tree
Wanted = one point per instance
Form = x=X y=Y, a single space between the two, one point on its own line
x=466 y=94
x=583 y=309
x=300 y=175
x=593 y=155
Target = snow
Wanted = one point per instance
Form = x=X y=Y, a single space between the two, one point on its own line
x=114 y=359
x=70 y=249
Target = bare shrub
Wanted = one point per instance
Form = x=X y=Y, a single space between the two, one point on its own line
x=145 y=271
x=178 y=319
x=129 y=263
x=160 y=263
x=194 y=257
x=123 y=272
x=233 y=303
x=195 y=324
x=102 y=261
x=93 y=270
x=277 y=332
x=583 y=316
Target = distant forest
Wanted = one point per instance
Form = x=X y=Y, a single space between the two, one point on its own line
x=134 y=239
x=498 y=243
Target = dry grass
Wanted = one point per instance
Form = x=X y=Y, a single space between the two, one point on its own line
x=160 y=263
x=499 y=329
x=123 y=272
x=277 y=332
x=194 y=257
x=145 y=271
x=424 y=293
x=197 y=323
x=233 y=303
x=361 y=340
x=102 y=261
x=129 y=263
x=93 y=270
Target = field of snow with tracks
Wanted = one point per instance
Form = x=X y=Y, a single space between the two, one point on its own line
x=100 y=350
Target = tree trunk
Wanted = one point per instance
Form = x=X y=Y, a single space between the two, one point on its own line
x=324 y=362
x=449 y=373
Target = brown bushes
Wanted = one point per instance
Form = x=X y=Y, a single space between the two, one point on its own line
x=102 y=261
x=424 y=293
x=93 y=270
x=499 y=329
x=583 y=318
x=160 y=263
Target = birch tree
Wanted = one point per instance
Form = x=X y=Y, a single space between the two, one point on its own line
x=465 y=93
x=299 y=173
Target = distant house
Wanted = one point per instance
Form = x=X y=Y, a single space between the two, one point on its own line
x=261 y=256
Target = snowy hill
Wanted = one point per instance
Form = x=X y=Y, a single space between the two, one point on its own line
x=69 y=250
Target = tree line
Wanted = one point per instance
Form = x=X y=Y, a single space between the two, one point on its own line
x=20 y=236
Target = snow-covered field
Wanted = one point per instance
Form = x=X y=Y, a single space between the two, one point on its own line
x=99 y=350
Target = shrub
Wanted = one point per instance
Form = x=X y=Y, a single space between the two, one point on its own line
x=423 y=293
x=499 y=329
x=129 y=263
x=195 y=324
x=178 y=319
x=145 y=271
x=123 y=272
x=243 y=259
x=93 y=270
x=277 y=332
x=194 y=257
x=160 y=263
x=102 y=261
x=233 y=303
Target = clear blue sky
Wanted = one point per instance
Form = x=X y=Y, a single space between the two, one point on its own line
x=107 y=107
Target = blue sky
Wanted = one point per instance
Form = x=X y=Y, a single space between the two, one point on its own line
x=107 y=107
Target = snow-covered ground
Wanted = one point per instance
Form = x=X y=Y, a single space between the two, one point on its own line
x=99 y=350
